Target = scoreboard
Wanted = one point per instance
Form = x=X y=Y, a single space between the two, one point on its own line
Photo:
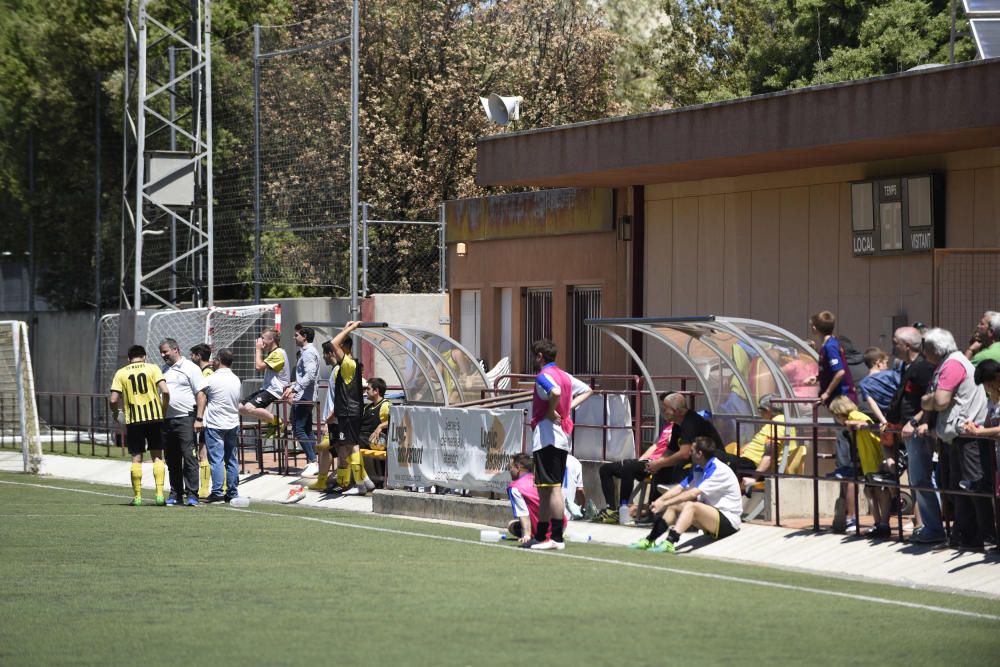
x=895 y=216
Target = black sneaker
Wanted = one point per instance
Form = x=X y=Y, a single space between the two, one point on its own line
x=214 y=498
x=878 y=532
x=530 y=543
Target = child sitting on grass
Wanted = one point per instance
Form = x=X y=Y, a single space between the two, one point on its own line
x=846 y=412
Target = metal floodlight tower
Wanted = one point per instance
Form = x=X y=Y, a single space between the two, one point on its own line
x=167 y=125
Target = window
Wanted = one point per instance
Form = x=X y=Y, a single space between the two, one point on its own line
x=469 y=327
x=585 y=341
x=506 y=322
x=537 y=321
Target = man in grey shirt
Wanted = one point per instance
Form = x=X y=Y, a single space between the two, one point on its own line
x=184 y=379
x=218 y=416
x=301 y=392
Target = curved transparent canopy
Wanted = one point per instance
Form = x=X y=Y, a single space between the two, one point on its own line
x=736 y=361
x=432 y=368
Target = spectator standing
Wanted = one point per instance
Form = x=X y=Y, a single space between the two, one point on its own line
x=139 y=391
x=185 y=380
x=218 y=417
x=201 y=355
x=301 y=392
x=981 y=337
x=708 y=498
x=954 y=395
x=871 y=455
x=877 y=389
x=270 y=358
x=834 y=380
x=990 y=339
x=917 y=431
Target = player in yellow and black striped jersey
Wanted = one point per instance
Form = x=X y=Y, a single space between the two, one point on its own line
x=140 y=393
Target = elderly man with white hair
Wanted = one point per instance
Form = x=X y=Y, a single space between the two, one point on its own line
x=957 y=399
x=917 y=430
x=986 y=341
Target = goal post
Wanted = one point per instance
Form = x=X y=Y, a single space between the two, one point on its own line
x=235 y=327
x=19 y=428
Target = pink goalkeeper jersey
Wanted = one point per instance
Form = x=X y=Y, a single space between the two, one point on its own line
x=549 y=377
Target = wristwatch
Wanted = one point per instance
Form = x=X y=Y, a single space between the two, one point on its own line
x=914 y=422
x=198 y=419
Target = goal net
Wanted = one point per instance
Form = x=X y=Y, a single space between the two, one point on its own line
x=19 y=432
x=236 y=328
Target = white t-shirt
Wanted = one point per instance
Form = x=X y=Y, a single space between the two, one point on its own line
x=572 y=478
x=719 y=488
x=184 y=380
x=222 y=389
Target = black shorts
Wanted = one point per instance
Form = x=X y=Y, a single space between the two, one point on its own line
x=550 y=466
x=726 y=527
x=349 y=431
x=143 y=436
x=260 y=399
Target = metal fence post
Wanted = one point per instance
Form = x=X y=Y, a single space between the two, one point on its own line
x=442 y=255
x=256 y=164
x=364 y=249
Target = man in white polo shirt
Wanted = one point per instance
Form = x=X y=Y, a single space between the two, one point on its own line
x=709 y=498
x=184 y=380
x=218 y=415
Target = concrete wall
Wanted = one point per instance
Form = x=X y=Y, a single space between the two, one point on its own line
x=556 y=262
x=777 y=246
x=63 y=353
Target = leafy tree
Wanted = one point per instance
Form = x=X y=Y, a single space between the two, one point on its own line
x=720 y=49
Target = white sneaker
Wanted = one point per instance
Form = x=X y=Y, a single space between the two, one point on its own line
x=295 y=494
x=310 y=470
x=354 y=491
x=549 y=545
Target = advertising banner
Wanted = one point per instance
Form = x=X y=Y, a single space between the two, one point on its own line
x=459 y=448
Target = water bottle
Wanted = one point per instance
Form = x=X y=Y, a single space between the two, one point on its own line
x=579 y=537
x=488 y=535
x=240 y=501
x=623 y=517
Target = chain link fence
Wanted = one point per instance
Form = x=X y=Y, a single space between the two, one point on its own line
x=282 y=113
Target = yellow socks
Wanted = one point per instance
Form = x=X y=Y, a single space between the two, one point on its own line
x=137 y=479
x=159 y=472
x=343 y=477
x=357 y=468
x=319 y=484
x=205 y=479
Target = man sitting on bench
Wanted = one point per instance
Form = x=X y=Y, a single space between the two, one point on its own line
x=375 y=420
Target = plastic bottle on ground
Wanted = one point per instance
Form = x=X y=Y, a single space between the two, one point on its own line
x=623 y=518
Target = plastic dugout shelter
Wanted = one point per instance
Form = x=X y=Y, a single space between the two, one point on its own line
x=734 y=360
x=432 y=368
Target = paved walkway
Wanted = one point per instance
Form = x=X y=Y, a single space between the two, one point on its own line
x=821 y=553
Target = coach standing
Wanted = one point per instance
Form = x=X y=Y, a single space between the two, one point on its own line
x=184 y=380
x=218 y=415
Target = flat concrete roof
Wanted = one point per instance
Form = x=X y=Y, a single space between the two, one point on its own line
x=943 y=109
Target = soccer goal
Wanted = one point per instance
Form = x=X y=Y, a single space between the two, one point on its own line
x=19 y=432
x=236 y=328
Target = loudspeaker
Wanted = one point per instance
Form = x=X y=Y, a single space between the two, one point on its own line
x=501 y=110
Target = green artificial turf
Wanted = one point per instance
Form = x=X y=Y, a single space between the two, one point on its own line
x=88 y=579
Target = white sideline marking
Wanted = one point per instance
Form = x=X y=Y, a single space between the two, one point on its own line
x=592 y=559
